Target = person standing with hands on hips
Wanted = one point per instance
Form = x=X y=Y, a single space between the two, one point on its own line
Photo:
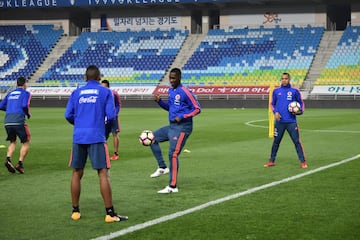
x=17 y=107
x=87 y=108
x=285 y=120
x=182 y=107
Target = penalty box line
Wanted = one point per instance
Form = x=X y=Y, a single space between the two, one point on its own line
x=218 y=201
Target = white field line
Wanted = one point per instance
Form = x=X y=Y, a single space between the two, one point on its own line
x=218 y=201
x=253 y=124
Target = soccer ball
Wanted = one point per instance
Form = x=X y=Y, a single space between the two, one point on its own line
x=146 y=137
x=294 y=107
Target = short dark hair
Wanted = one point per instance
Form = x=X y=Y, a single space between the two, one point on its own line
x=287 y=74
x=92 y=73
x=177 y=71
x=21 y=81
x=106 y=82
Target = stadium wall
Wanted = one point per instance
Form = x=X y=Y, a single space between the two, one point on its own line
x=36 y=16
x=355 y=14
x=236 y=15
x=274 y=15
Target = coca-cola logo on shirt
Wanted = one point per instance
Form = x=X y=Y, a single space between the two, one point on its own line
x=91 y=99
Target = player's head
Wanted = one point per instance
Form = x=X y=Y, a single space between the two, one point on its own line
x=285 y=79
x=105 y=83
x=175 y=77
x=21 y=82
x=92 y=73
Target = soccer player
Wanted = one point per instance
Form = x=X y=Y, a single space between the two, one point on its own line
x=285 y=120
x=87 y=108
x=113 y=126
x=17 y=107
x=182 y=107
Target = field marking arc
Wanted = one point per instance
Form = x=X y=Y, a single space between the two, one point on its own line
x=251 y=124
x=218 y=201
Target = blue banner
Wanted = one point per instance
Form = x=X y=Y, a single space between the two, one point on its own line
x=90 y=3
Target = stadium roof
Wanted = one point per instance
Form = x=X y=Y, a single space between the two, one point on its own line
x=6 y=4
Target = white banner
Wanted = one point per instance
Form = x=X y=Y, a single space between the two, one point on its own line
x=62 y=91
x=272 y=19
x=148 y=90
x=138 y=23
x=340 y=90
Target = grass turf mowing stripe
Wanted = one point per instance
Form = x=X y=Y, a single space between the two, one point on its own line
x=220 y=200
x=252 y=124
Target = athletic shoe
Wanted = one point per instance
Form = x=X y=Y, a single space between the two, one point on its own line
x=169 y=189
x=114 y=157
x=159 y=172
x=303 y=165
x=269 y=164
x=115 y=218
x=9 y=166
x=20 y=168
x=75 y=216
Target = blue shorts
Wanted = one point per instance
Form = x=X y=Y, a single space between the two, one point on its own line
x=97 y=152
x=21 y=131
x=112 y=127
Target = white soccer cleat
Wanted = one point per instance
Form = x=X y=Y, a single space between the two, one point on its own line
x=159 y=172
x=169 y=189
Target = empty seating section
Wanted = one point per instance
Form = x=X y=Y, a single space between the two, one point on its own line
x=23 y=48
x=131 y=57
x=343 y=67
x=225 y=57
x=228 y=57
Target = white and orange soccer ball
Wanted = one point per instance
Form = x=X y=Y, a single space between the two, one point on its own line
x=294 y=107
x=146 y=137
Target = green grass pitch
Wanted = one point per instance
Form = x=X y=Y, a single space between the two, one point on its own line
x=228 y=148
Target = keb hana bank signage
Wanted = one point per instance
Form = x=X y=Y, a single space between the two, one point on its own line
x=220 y=90
x=337 y=89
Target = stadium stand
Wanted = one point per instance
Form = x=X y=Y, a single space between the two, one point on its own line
x=131 y=57
x=23 y=48
x=343 y=67
x=229 y=57
x=225 y=57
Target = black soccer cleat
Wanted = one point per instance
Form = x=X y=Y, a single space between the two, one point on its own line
x=19 y=168
x=9 y=166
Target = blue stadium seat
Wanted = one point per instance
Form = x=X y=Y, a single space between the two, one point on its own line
x=23 y=48
x=123 y=57
x=343 y=67
x=252 y=51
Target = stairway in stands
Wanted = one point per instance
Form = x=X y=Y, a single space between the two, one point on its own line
x=327 y=46
x=60 y=48
x=186 y=50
